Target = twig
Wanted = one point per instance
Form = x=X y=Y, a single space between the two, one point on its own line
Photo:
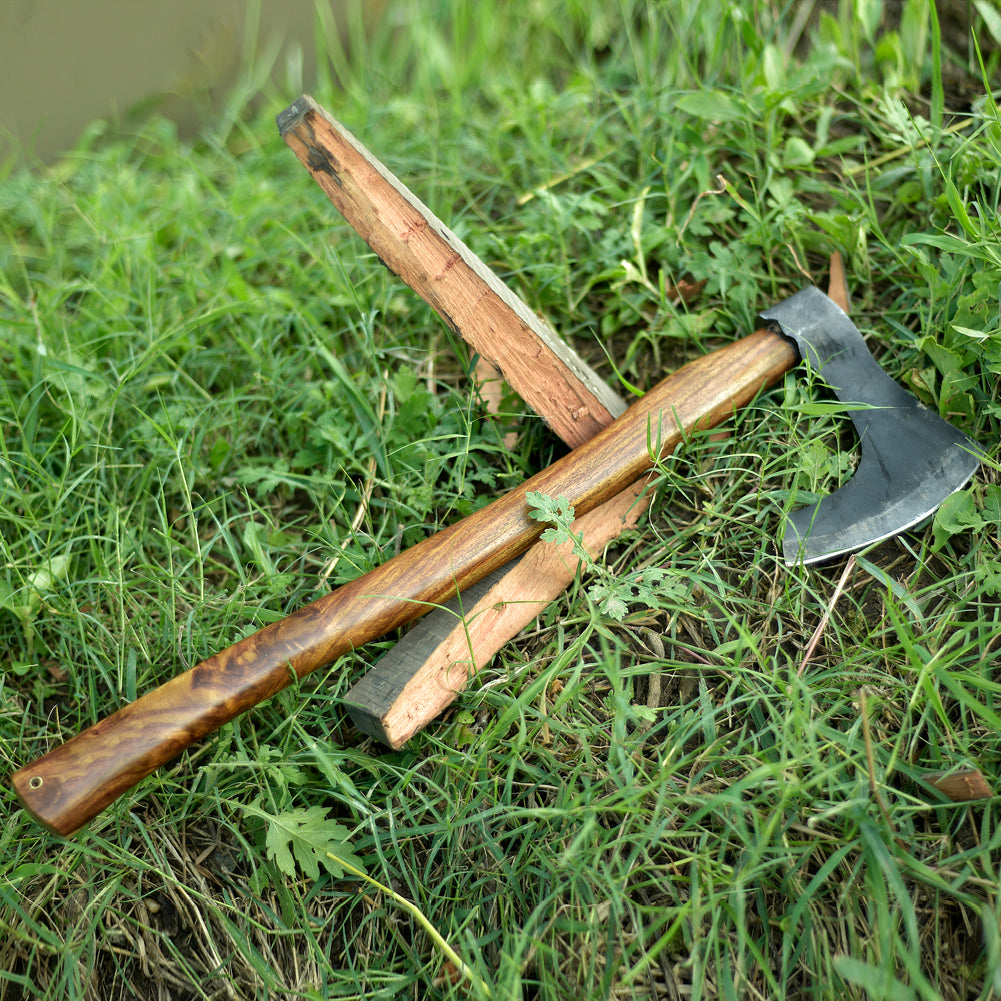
x=825 y=618
x=559 y=179
x=720 y=190
x=806 y=274
x=422 y=919
x=895 y=154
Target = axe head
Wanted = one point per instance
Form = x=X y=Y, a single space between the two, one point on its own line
x=910 y=462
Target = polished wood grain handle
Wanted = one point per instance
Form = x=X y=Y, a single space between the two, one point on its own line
x=74 y=782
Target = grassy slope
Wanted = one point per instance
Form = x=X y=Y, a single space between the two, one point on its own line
x=204 y=371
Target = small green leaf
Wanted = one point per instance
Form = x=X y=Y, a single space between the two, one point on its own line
x=542 y=507
x=712 y=106
x=10 y=598
x=989 y=577
x=959 y=209
x=305 y=838
x=650 y=587
x=25 y=601
x=992 y=504
x=254 y=536
x=797 y=153
x=44 y=579
x=877 y=982
x=957 y=515
x=559 y=512
x=951 y=244
x=977 y=335
x=608 y=600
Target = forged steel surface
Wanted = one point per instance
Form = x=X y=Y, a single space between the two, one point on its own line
x=911 y=459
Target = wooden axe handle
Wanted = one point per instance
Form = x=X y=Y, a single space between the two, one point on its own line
x=72 y=783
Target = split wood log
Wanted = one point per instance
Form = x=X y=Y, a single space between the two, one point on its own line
x=419 y=248
x=427 y=669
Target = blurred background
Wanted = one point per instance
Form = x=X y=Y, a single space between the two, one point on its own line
x=65 y=63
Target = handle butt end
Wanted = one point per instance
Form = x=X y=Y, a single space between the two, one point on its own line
x=39 y=797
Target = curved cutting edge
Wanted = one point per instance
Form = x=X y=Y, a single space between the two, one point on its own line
x=911 y=459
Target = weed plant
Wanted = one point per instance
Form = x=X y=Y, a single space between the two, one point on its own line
x=216 y=405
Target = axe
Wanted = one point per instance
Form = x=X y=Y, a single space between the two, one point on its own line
x=911 y=460
x=427 y=668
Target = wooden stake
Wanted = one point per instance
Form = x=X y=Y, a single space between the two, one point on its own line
x=418 y=247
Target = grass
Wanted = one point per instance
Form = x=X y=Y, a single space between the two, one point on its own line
x=206 y=374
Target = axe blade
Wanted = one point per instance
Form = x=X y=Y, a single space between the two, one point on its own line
x=910 y=462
